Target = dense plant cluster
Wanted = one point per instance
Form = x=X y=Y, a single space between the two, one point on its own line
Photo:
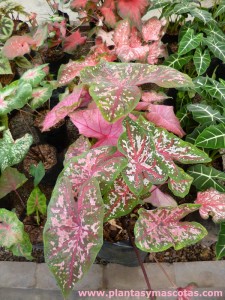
x=131 y=142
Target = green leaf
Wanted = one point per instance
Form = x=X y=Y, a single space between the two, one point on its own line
x=191 y=138
x=12 y=234
x=5 y=68
x=205 y=114
x=177 y=62
x=220 y=245
x=201 y=61
x=40 y=95
x=220 y=9
x=35 y=75
x=180 y=184
x=189 y=41
x=23 y=62
x=38 y=172
x=12 y=152
x=216 y=46
x=212 y=137
x=36 y=203
x=6 y=28
x=207 y=177
x=11 y=180
x=202 y=15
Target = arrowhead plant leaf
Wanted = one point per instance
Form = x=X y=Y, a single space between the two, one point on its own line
x=220 y=245
x=201 y=61
x=159 y=229
x=189 y=41
x=216 y=46
x=73 y=234
x=212 y=137
x=36 y=203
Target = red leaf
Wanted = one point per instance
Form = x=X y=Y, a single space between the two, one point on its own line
x=78 y=4
x=71 y=42
x=152 y=30
x=149 y=97
x=163 y=116
x=17 y=46
x=156 y=50
x=108 y=11
x=91 y=124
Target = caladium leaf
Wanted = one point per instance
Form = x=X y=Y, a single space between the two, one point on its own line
x=159 y=229
x=36 y=203
x=5 y=67
x=113 y=86
x=160 y=199
x=63 y=108
x=216 y=46
x=40 y=95
x=212 y=137
x=98 y=163
x=108 y=11
x=220 y=245
x=144 y=167
x=81 y=145
x=212 y=204
x=6 y=28
x=149 y=97
x=11 y=180
x=189 y=41
x=152 y=30
x=203 y=114
x=17 y=46
x=12 y=234
x=207 y=177
x=38 y=172
x=73 y=234
x=91 y=124
x=119 y=200
x=201 y=61
x=34 y=76
x=12 y=152
x=71 y=42
x=177 y=62
x=180 y=183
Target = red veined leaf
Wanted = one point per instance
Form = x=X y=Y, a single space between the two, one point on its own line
x=159 y=229
x=91 y=124
x=160 y=199
x=155 y=50
x=212 y=204
x=180 y=182
x=71 y=42
x=73 y=233
x=17 y=46
x=81 y=145
x=106 y=37
x=152 y=30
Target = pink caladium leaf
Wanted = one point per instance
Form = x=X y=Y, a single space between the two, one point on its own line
x=75 y=4
x=90 y=123
x=17 y=46
x=160 y=199
x=41 y=34
x=63 y=108
x=81 y=145
x=156 y=49
x=159 y=229
x=164 y=116
x=113 y=86
x=152 y=30
x=71 y=42
x=187 y=291
x=150 y=97
x=144 y=167
x=106 y=37
x=132 y=9
x=119 y=200
x=99 y=163
x=73 y=233
x=212 y=204
x=180 y=182
x=108 y=11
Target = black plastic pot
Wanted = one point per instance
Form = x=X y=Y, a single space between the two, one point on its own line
x=120 y=253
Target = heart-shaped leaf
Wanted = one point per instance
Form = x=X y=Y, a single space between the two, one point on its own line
x=220 y=245
x=11 y=180
x=201 y=61
x=212 y=204
x=216 y=46
x=73 y=234
x=181 y=183
x=40 y=95
x=36 y=203
x=35 y=76
x=81 y=145
x=212 y=137
x=38 y=172
x=12 y=152
x=159 y=229
x=189 y=41
x=113 y=86
x=71 y=42
x=17 y=46
x=12 y=234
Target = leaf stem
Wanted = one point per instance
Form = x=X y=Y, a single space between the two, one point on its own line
x=21 y=200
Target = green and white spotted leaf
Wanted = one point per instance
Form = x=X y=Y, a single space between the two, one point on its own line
x=12 y=234
x=220 y=9
x=212 y=137
x=189 y=41
x=205 y=114
x=191 y=138
x=6 y=28
x=23 y=62
x=35 y=75
x=207 y=177
x=201 y=61
x=119 y=200
x=144 y=166
x=159 y=229
x=36 y=203
x=12 y=152
x=5 y=68
x=11 y=179
x=202 y=15
x=40 y=95
x=177 y=62
x=180 y=185
x=220 y=245
x=216 y=46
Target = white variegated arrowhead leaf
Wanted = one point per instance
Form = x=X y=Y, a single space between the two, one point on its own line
x=12 y=152
x=159 y=229
x=212 y=137
x=10 y=180
x=73 y=233
x=202 y=15
x=220 y=245
x=191 y=138
x=177 y=62
x=35 y=75
x=12 y=234
x=180 y=185
x=98 y=163
x=203 y=113
x=207 y=177
x=220 y=9
x=144 y=166
x=201 y=61
x=81 y=145
x=119 y=200
x=40 y=95
x=189 y=41
x=216 y=46
x=212 y=204
x=113 y=86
